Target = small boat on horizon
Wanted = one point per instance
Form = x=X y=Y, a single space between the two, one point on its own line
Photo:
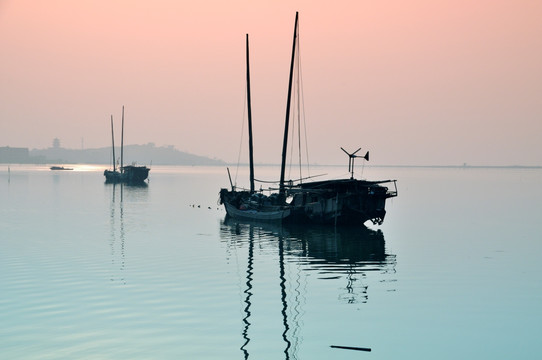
x=129 y=174
x=60 y=168
x=340 y=202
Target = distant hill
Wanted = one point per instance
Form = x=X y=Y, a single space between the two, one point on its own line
x=140 y=154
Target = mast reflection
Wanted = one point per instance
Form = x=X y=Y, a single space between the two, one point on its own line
x=248 y=291
x=117 y=233
x=120 y=194
x=332 y=253
x=283 y=298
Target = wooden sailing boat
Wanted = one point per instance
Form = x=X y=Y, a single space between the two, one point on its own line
x=343 y=201
x=129 y=174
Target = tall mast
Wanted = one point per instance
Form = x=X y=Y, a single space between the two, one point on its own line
x=113 y=141
x=287 y=121
x=122 y=143
x=250 y=147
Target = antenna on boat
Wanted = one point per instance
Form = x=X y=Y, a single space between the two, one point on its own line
x=351 y=158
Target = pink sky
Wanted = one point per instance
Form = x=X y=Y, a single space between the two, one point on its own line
x=415 y=82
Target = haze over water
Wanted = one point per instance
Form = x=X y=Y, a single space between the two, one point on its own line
x=89 y=270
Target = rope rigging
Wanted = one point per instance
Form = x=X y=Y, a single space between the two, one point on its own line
x=298 y=113
x=242 y=132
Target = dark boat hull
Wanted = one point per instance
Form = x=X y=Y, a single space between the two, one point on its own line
x=337 y=202
x=257 y=214
x=333 y=202
x=244 y=205
x=130 y=175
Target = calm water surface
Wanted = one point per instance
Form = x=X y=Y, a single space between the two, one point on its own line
x=96 y=271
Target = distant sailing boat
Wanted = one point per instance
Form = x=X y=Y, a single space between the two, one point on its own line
x=129 y=174
x=342 y=201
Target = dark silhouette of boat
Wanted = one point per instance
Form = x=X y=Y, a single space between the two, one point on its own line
x=129 y=174
x=60 y=168
x=342 y=201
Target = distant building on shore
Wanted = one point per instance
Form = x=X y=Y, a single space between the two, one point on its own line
x=9 y=155
x=13 y=155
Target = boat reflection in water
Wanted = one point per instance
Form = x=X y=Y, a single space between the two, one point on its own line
x=121 y=194
x=336 y=253
x=343 y=254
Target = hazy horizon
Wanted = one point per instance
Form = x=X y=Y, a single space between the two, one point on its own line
x=415 y=83
x=344 y=162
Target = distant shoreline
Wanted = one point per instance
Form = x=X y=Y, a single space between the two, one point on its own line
x=519 y=167
x=142 y=154
x=420 y=166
